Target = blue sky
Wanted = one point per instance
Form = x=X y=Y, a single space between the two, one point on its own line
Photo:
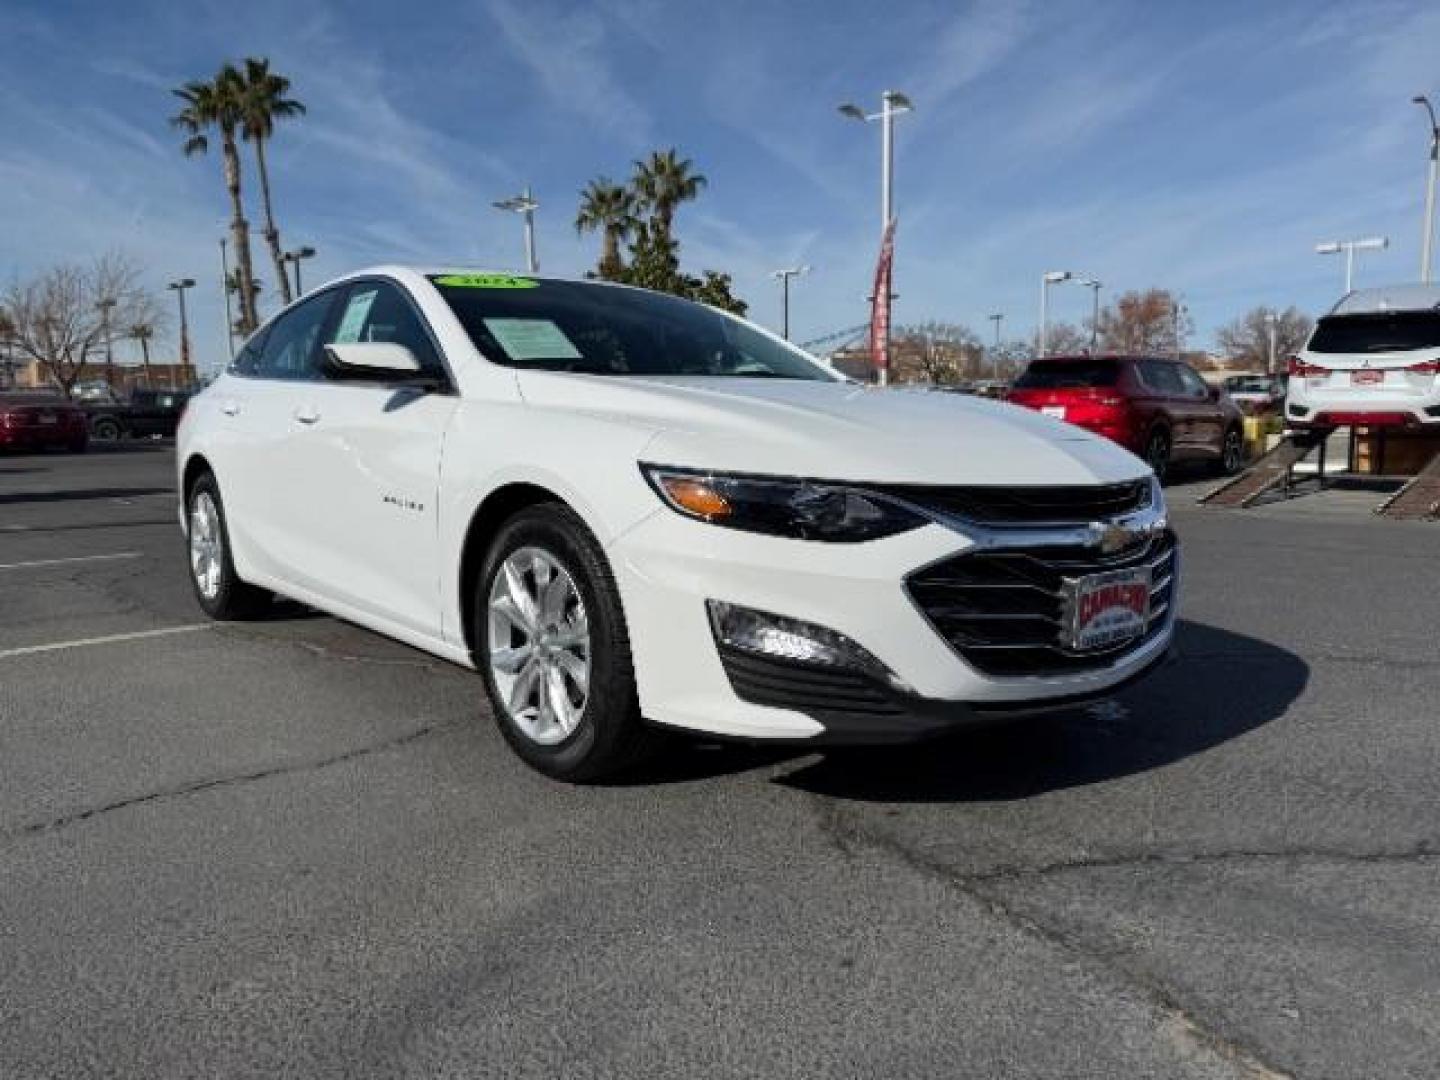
x=1200 y=147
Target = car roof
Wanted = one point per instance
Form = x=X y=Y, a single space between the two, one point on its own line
x=1389 y=298
x=1080 y=358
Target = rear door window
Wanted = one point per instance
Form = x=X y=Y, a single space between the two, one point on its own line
x=1068 y=375
x=1376 y=332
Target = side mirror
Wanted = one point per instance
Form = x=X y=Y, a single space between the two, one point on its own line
x=373 y=361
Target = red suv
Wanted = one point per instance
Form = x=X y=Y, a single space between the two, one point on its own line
x=1159 y=409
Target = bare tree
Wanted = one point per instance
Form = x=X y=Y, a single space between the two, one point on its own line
x=1246 y=340
x=1008 y=359
x=1143 y=323
x=935 y=352
x=1066 y=339
x=57 y=316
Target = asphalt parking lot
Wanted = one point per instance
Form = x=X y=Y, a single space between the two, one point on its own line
x=292 y=848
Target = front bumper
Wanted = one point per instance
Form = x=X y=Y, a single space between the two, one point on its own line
x=667 y=567
x=854 y=709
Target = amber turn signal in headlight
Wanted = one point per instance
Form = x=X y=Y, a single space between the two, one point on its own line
x=694 y=496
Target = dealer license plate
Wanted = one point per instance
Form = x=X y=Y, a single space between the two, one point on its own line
x=1057 y=411
x=1367 y=377
x=1108 y=609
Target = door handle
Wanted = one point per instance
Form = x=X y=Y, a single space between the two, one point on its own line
x=306 y=414
x=230 y=408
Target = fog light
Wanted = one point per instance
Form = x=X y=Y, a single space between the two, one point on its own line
x=795 y=640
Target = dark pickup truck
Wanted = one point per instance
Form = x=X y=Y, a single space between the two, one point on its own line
x=144 y=412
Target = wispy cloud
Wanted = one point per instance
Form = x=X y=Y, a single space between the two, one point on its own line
x=566 y=53
x=970 y=44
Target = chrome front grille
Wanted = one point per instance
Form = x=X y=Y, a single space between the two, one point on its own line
x=1003 y=610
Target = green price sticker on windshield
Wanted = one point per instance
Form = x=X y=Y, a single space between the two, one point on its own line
x=486 y=281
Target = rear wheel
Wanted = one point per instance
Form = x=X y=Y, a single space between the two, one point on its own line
x=1157 y=452
x=553 y=649
x=1232 y=453
x=218 y=587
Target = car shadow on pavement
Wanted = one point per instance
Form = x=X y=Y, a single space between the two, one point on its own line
x=1221 y=686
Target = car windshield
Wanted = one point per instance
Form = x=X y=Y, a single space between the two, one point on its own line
x=1377 y=331
x=1068 y=375
x=1250 y=384
x=603 y=330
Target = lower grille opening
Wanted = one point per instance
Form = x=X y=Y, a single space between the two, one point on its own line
x=1003 y=611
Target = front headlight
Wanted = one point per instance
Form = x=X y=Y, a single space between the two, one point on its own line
x=802 y=509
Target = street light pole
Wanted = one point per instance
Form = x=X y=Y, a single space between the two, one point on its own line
x=892 y=104
x=225 y=292
x=784 y=277
x=1050 y=277
x=1270 y=320
x=1349 y=247
x=295 y=257
x=524 y=204
x=1094 y=286
x=997 y=319
x=1428 y=236
x=1177 y=312
x=105 y=305
x=180 y=287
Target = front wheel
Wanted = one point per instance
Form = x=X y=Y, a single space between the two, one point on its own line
x=1157 y=453
x=218 y=587
x=106 y=428
x=1232 y=453
x=553 y=649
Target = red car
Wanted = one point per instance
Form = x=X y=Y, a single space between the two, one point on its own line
x=1160 y=409
x=37 y=422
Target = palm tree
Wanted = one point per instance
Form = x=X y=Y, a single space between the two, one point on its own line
x=263 y=102
x=608 y=208
x=218 y=104
x=143 y=332
x=663 y=182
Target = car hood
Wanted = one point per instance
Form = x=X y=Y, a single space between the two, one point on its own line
x=838 y=431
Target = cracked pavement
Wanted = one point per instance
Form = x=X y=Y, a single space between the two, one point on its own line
x=292 y=848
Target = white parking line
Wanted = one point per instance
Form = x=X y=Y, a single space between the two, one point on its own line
x=80 y=643
x=71 y=559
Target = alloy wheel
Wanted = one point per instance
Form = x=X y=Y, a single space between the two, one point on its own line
x=539 y=645
x=1230 y=453
x=1157 y=454
x=207 y=546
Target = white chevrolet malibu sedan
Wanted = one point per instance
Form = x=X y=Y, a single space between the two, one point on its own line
x=630 y=512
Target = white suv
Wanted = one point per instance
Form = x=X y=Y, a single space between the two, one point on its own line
x=620 y=505
x=1375 y=360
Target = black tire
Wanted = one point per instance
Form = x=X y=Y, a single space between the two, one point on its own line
x=1157 y=453
x=232 y=599
x=106 y=428
x=609 y=736
x=1232 y=452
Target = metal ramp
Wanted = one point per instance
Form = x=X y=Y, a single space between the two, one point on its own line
x=1271 y=470
x=1419 y=499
